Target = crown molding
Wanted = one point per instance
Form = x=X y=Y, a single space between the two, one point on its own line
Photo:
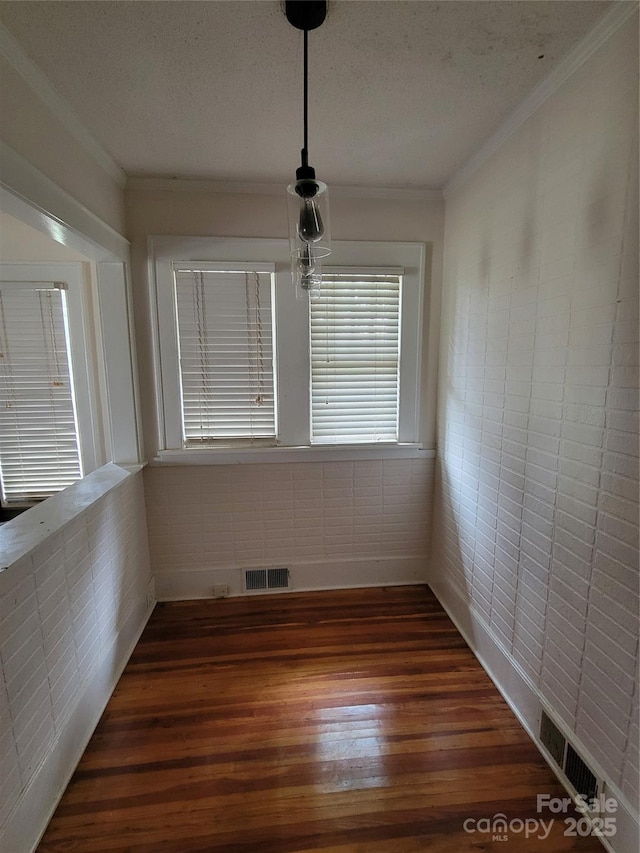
x=65 y=114
x=607 y=26
x=404 y=194
x=243 y=187
x=201 y=185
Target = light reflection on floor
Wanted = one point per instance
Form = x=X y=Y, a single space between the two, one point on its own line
x=358 y=759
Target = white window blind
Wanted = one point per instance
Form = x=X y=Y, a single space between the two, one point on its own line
x=39 y=452
x=225 y=341
x=355 y=350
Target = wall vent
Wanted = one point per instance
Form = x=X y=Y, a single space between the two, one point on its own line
x=579 y=775
x=575 y=770
x=553 y=739
x=256 y=580
x=277 y=578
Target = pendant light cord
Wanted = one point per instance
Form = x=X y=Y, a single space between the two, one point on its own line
x=305 y=154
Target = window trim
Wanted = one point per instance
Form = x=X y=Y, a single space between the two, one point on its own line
x=30 y=197
x=290 y=315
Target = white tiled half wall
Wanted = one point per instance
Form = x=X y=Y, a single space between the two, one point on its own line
x=536 y=526
x=63 y=608
x=331 y=523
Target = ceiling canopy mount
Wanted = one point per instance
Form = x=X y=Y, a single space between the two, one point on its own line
x=306 y=14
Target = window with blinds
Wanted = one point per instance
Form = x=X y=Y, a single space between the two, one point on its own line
x=225 y=341
x=39 y=449
x=355 y=357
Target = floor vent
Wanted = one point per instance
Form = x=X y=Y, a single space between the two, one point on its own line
x=579 y=775
x=553 y=739
x=256 y=580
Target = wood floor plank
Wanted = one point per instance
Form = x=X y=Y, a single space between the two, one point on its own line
x=342 y=721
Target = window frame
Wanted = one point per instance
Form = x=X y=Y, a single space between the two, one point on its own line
x=77 y=278
x=291 y=346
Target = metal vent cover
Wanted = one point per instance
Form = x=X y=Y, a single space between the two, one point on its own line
x=255 y=579
x=266 y=579
x=553 y=739
x=277 y=578
x=577 y=772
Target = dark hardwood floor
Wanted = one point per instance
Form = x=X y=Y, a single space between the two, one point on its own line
x=343 y=721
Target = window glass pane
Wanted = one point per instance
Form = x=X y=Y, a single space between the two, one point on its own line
x=39 y=453
x=226 y=355
x=355 y=348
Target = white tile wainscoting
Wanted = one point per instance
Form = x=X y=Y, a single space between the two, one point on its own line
x=74 y=597
x=333 y=524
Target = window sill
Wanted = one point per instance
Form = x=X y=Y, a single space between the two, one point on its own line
x=333 y=453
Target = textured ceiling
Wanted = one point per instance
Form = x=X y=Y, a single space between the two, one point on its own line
x=401 y=93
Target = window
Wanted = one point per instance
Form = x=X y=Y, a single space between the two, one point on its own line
x=44 y=383
x=242 y=363
x=225 y=353
x=355 y=357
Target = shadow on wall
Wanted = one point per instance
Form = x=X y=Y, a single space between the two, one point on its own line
x=448 y=552
x=451 y=564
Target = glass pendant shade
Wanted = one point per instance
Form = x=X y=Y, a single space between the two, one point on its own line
x=307 y=198
x=309 y=235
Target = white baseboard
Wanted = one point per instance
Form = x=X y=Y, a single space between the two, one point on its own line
x=37 y=803
x=527 y=703
x=179 y=585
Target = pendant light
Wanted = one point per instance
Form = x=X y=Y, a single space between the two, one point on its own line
x=307 y=198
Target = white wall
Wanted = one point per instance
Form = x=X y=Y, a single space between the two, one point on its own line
x=32 y=129
x=71 y=608
x=536 y=536
x=333 y=524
